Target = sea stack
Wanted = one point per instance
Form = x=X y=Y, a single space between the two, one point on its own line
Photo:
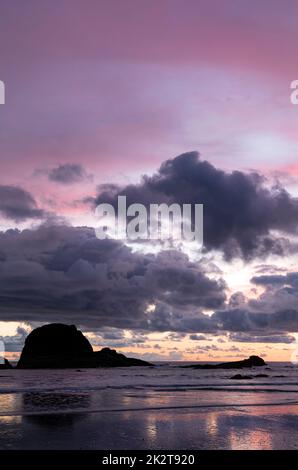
x=59 y=346
x=56 y=346
x=252 y=361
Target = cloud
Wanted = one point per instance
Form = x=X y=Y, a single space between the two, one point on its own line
x=68 y=174
x=267 y=318
x=18 y=204
x=247 y=338
x=270 y=279
x=195 y=337
x=269 y=268
x=280 y=292
x=170 y=355
x=15 y=343
x=245 y=320
x=65 y=274
x=240 y=210
x=59 y=273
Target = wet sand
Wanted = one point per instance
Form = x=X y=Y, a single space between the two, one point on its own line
x=162 y=408
x=240 y=427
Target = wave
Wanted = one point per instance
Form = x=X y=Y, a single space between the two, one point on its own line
x=161 y=388
x=229 y=389
x=145 y=408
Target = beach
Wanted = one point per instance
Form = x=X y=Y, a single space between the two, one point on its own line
x=164 y=407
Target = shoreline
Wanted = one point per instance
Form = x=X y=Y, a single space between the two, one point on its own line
x=240 y=428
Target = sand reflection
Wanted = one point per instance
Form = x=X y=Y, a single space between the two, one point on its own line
x=54 y=409
x=255 y=439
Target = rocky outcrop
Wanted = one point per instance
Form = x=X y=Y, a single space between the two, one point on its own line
x=241 y=377
x=5 y=365
x=252 y=361
x=59 y=346
x=246 y=377
x=110 y=358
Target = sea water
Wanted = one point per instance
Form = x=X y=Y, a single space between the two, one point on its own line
x=162 y=407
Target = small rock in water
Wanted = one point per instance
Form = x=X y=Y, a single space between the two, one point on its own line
x=241 y=377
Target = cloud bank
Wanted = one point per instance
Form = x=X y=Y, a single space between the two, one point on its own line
x=65 y=274
x=240 y=211
x=62 y=273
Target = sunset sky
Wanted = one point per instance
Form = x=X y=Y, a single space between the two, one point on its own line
x=168 y=101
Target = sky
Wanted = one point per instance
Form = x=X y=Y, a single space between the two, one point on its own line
x=160 y=101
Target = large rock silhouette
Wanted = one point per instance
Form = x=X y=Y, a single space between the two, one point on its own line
x=63 y=346
x=56 y=345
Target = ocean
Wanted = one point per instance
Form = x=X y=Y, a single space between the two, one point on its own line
x=162 y=407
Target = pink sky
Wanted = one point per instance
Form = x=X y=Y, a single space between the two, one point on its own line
x=122 y=86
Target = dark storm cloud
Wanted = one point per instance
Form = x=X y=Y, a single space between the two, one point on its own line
x=247 y=338
x=115 y=338
x=68 y=174
x=264 y=280
x=62 y=273
x=18 y=204
x=290 y=279
x=241 y=320
x=280 y=293
x=65 y=274
x=233 y=320
x=111 y=334
x=240 y=210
